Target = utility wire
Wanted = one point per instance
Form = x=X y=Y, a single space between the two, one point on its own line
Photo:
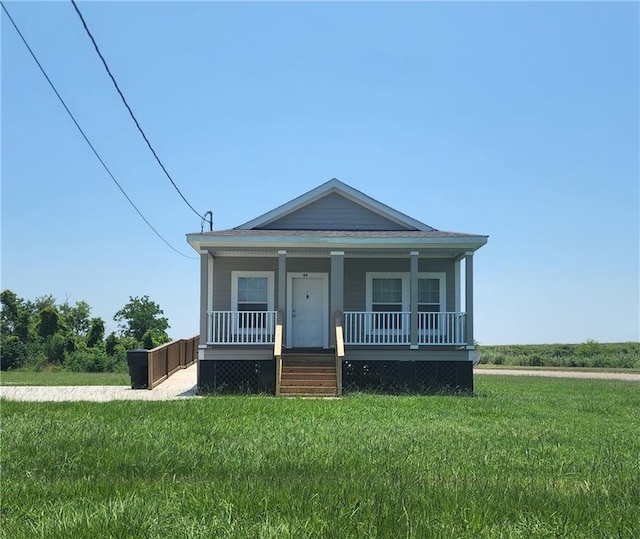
x=85 y=136
x=144 y=136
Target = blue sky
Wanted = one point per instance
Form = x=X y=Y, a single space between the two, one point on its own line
x=516 y=120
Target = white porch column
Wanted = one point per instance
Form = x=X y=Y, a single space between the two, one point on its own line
x=468 y=264
x=204 y=296
x=282 y=281
x=413 y=295
x=457 y=307
x=336 y=300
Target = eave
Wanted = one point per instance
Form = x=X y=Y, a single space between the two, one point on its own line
x=226 y=242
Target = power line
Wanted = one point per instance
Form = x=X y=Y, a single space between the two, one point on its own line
x=85 y=136
x=144 y=136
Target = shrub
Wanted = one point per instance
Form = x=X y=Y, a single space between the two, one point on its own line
x=13 y=353
x=94 y=360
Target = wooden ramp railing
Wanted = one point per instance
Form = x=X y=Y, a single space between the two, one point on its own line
x=171 y=357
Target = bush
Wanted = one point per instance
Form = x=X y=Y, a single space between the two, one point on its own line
x=13 y=353
x=153 y=338
x=94 y=360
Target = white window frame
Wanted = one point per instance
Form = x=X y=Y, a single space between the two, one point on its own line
x=370 y=276
x=442 y=277
x=235 y=275
x=406 y=294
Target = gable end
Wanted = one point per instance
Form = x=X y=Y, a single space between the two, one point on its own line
x=333 y=212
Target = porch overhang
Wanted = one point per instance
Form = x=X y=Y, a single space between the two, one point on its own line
x=448 y=243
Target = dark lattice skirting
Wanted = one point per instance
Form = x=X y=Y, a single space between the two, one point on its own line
x=407 y=376
x=237 y=376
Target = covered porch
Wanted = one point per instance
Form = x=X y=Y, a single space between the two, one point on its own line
x=404 y=300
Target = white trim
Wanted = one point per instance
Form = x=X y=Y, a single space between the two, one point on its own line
x=209 y=283
x=336 y=253
x=282 y=252
x=325 y=305
x=442 y=276
x=270 y=286
x=328 y=242
x=370 y=275
x=335 y=186
x=234 y=291
x=406 y=293
x=456 y=285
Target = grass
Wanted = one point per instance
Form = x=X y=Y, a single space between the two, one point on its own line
x=625 y=355
x=524 y=458
x=63 y=378
x=489 y=367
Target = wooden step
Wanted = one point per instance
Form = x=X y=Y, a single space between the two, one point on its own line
x=308 y=375
x=308 y=370
x=308 y=382
x=306 y=391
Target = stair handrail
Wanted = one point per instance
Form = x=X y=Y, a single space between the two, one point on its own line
x=277 y=349
x=339 y=350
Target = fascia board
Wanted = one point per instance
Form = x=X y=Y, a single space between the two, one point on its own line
x=199 y=242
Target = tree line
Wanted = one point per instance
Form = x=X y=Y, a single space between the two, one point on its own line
x=41 y=333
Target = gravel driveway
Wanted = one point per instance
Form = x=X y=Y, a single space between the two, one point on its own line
x=179 y=386
x=563 y=374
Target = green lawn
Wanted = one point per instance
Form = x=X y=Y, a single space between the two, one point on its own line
x=525 y=458
x=63 y=378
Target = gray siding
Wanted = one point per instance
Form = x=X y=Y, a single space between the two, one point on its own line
x=222 y=276
x=333 y=212
x=224 y=266
x=355 y=270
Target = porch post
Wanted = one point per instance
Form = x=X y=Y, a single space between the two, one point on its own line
x=413 y=287
x=457 y=284
x=468 y=264
x=204 y=296
x=282 y=281
x=336 y=301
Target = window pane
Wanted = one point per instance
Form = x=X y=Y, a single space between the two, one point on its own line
x=386 y=290
x=252 y=289
x=428 y=290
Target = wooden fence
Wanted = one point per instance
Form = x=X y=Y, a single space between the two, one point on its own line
x=171 y=357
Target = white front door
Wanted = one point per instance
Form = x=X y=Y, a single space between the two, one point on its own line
x=308 y=311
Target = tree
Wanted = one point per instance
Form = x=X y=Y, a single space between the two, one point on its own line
x=49 y=321
x=15 y=315
x=76 y=317
x=96 y=332
x=140 y=315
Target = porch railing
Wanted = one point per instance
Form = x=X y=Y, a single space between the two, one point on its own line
x=241 y=327
x=394 y=328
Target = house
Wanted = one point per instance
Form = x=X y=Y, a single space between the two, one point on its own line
x=335 y=291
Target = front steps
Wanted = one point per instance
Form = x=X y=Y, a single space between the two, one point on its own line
x=308 y=375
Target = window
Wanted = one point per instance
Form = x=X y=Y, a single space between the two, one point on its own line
x=387 y=293
x=390 y=293
x=429 y=302
x=386 y=297
x=252 y=292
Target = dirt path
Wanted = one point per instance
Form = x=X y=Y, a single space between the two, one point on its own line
x=562 y=374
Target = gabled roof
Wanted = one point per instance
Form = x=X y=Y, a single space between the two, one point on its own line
x=335 y=186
